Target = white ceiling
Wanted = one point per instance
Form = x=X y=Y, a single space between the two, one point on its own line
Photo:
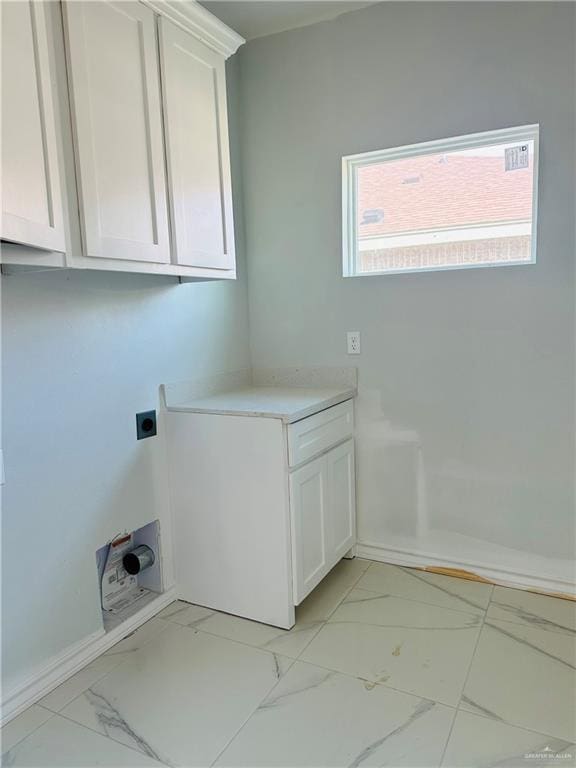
x=256 y=18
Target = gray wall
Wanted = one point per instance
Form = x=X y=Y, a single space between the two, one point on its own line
x=82 y=353
x=466 y=376
x=466 y=408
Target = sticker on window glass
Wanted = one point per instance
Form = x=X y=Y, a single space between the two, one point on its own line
x=516 y=157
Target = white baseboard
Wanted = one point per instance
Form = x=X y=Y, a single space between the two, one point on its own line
x=65 y=664
x=501 y=576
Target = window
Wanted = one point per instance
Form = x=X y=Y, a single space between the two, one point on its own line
x=450 y=204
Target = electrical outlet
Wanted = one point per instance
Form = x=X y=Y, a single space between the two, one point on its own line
x=145 y=424
x=353 y=338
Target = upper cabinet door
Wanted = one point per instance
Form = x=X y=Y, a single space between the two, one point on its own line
x=31 y=194
x=196 y=126
x=115 y=94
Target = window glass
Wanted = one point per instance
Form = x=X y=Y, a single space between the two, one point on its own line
x=462 y=206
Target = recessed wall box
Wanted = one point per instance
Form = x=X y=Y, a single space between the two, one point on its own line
x=145 y=424
x=123 y=589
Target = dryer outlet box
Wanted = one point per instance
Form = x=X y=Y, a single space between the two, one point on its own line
x=145 y=424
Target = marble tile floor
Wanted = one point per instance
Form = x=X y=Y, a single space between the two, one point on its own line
x=386 y=666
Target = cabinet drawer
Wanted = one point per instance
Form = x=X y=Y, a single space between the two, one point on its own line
x=311 y=436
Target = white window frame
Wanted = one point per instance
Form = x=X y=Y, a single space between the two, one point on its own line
x=351 y=163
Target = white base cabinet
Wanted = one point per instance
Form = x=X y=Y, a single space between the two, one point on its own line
x=257 y=526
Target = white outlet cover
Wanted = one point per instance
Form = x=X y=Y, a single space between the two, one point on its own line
x=353 y=339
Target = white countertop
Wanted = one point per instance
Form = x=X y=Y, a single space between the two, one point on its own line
x=287 y=403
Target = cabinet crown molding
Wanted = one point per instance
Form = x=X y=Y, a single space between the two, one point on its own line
x=196 y=20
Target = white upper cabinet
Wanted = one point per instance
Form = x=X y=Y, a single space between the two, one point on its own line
x=102 y=168
x=195 y=119
x=32 y=211
x=117 y=122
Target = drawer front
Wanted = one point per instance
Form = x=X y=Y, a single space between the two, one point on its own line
x=311 y=436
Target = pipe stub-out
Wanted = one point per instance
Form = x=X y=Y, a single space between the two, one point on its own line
x=138 y=560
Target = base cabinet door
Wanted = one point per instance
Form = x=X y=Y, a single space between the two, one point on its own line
x=115 y=96
x=32 y=212
x=308 y=509
x=341 y=499
x=323 y=515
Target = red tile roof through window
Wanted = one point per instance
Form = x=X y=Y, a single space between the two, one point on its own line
x=442 y=191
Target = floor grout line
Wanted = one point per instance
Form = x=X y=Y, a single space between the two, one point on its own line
x=323 y=623
x=376 y=683
x=106 y=736
x=114 y=668
x=448 y=737
x=331 y=613
x=251 y=645
x=51 y=715
x=510 y=724
x=566 y=632
x=329 y=669
x=262 y=700
x=294 y=661
x=79 y=725
x=482 y=614
x=320 y=622
x=463 y=688
x=195 y=631
x=41 y=707
x=237 y=732
x=478 y=612
x=94 y=682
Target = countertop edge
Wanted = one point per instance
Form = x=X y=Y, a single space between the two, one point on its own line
x=285 y=418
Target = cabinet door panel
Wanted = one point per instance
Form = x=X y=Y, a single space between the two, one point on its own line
x=195 y=117
x=31 y=192
x=341 y=496
x=116 y=106
x=308 y=513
